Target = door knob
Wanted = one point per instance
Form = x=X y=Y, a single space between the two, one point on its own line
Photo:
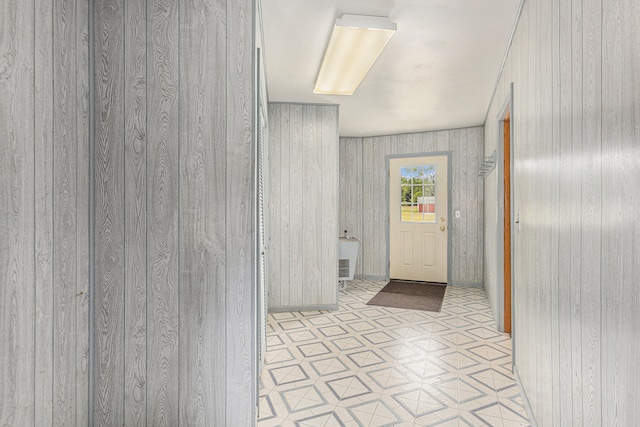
x=442 y=228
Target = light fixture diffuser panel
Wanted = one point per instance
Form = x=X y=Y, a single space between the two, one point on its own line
x=356 y=42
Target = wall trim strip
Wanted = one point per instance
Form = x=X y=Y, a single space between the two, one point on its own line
x=525 y=399
x=504 y=58
x=321 y=307
x=466 y=285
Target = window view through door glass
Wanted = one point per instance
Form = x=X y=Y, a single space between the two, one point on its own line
x=418 y=193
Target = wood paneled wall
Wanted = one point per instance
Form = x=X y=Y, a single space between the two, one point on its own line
x=43 y=213
x=174 y=173
x=302 y=258
x=174 y=213
x=363 y=199
x=575 y=66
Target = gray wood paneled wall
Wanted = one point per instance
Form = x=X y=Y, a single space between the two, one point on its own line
x=576 y=72
x=175 y=108
x=363 y=203
x=302 y=261
x=174 y=213
x=43 y=213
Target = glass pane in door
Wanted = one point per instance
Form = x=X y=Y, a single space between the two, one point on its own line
x=418 y=193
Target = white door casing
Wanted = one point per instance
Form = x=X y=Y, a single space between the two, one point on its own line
x=418 y=209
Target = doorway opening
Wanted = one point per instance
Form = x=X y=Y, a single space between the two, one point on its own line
x=506 y=129
x=418 y=212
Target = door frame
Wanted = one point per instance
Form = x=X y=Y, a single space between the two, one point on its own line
x=388 y=158
x=507 y=109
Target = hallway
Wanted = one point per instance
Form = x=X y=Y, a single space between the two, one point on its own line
x=376 y=366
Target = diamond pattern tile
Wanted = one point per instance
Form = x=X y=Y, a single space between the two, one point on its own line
x=313 y=349
x=365 y=358
x=387 y=378
x=427 y=368
x=300 y=336
x=348 y=387
x=419 y=402
x=302 y=398
x=375 y=414
x=329 y=366
x=378 y=337
x=333 y=331
x=347 y=343
x=378 y=366
x=288 y=374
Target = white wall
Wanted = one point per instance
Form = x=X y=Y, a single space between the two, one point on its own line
x=491 y=242
x=44 y=212
x=302 y=260
x=576 y=72
x=174 y=214
x=172 y=168
x=363 y=199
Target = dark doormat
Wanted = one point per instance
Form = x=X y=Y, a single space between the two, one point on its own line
x=412 y=295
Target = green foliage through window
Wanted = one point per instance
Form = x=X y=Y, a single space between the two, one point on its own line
x=418 y=188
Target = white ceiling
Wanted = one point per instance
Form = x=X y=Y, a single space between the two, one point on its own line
x=437 y=72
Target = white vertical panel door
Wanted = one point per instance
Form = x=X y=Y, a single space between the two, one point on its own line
x=418 y=207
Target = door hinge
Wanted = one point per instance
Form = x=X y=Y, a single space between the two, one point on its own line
x=389 y=173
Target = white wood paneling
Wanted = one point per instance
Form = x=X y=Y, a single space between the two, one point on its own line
x=17 y=210
x=565 y=221
x=293 y=281
x=456 y=140
x=620 y=206
x=44 y=215
x=83 y=194
x=173 y=170
x=202 y=184
x=135 y=214
x=163 y=251
x=240 y=397
x=330 y=201
x=109 y=219
x=44 y=210
x=574 y=66
x=174 y=213
x=351 y=215
x=65 y=199
x=287 y=199
x=313 y=170
x=274 y=272
x=303 y=206
x=366 y=186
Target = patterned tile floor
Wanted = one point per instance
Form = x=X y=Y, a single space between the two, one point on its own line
x=377 y=366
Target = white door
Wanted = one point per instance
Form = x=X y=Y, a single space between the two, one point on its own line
x=418 y=221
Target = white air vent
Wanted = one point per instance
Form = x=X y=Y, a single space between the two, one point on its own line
x=343 y=269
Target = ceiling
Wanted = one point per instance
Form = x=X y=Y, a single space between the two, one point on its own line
x=437 y=72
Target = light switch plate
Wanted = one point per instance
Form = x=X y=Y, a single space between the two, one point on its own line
x=457 y=214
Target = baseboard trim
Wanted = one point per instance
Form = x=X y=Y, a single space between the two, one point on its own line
x=371 y=278
x=320 y=307
x=384 y=279
x=467 y=284
x=525 y=399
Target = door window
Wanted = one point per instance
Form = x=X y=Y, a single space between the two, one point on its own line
x=418 y=193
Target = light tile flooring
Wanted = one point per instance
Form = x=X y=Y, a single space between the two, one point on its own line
x=376 y=366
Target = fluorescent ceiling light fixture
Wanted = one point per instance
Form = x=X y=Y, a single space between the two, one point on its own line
x=355 y=44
